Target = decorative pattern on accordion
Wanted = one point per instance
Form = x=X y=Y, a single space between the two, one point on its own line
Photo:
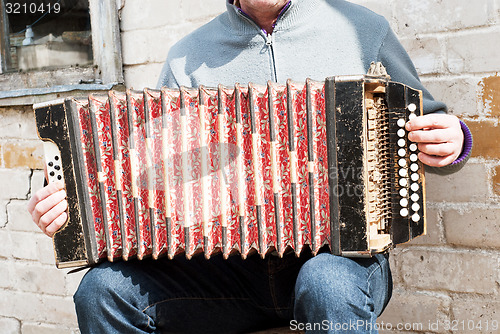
x=156 y=169
x=247 y=169
x=299 y=173
x=317 y=134
x=92 y=181
x=123 y=172
x=106 y=174
x=140 y=182
x=173 y=171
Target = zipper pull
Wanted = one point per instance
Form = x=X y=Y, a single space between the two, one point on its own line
x=269 y=39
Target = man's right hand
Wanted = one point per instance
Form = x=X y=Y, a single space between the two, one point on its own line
x=48 y=207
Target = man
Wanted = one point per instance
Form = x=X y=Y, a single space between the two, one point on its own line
x=257 y=41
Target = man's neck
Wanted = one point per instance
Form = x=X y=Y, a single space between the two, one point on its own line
x=264 y=15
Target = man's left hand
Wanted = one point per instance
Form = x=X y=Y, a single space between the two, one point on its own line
x=439 y=137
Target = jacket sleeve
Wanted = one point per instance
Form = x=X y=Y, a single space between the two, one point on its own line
x=401 y=69
x=167 y=78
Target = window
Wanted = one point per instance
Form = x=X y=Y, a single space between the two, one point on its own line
x=46 y=35
x=57 y=46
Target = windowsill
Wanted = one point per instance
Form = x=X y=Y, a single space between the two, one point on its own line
x=27 y=88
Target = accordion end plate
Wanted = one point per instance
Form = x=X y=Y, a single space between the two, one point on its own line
x=71 y=264
x=357 y=253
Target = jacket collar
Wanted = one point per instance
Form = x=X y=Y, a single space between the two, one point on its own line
x=293 y=14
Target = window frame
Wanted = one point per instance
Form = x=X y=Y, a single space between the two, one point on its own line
x=105 y=73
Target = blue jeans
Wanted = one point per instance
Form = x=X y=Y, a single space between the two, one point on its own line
x=319 y=294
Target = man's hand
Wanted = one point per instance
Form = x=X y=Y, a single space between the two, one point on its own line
x=48 y=208
x=439 y=137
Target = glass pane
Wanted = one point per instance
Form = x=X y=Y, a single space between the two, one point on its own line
x=44 y=34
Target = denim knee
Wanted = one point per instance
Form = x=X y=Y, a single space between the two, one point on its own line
x=99 y=287
x=91 y=287
x=327 y=277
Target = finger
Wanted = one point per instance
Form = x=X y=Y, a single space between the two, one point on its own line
x=56 y=224
x=51 y=216
x=430 y=136
x=442 y=149
x=431 y=121
x=435 y=161
x=44 y=206
x=43 y=193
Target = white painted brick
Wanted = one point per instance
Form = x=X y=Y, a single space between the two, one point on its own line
x=420 y=311
x=3 y=212
x=163 y=39
x=37 y=181
x=38 y=308
x=18 y=122
x=475 y=51
x=10 y=326
x=426 y=54
x=159 y=41
x=6 y=274
x=147 y=14
x=456 y=271
x=431 y=16
x=195 y=10
x=73 y=281
x=39 y=279
x=24 y=246
x=38 y=328
x=468 y=184
x=15 y=183
x=459 y=94
x=45 y=250
x=473 y=227
x=134 y=46
x=483 y=312
x=5 y=244
x=19 y=217
x=138 y=77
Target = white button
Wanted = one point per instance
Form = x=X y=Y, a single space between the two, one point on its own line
x=401 y=152
x=415 y=177
x=401 y=132
x=414 y=167
x=415 y=186
x=403 y=172
x=415 y=207
x=415 y=218
x=413 y=157
x=412 y=116
x=412 y=107
x=402 y=162
x=404 y=202
x=413 y=147
x=404 y=212
x=415 y=197
x=403 y=182
x=401 y=142
x=401 y=122
x=403 y=192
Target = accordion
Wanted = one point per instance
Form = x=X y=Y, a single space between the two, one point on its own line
x=267 y=169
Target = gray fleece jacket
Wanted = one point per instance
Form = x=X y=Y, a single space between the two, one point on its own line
x=311 y=39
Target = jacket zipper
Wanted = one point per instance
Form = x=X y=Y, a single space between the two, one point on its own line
x=269 y=40
x=271 y=45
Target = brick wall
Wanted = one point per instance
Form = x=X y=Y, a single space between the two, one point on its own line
x=450 y=275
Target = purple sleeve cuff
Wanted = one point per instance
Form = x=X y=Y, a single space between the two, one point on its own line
x=467 y=148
